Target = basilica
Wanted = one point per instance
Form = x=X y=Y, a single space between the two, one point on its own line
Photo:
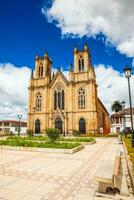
x=68 y=104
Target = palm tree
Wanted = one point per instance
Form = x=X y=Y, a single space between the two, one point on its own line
x=116 y=106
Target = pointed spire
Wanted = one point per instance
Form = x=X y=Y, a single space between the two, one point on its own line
x=71 y=68
x=45 y=55
x=86 y=47
x=75 y=50
x=37 y=57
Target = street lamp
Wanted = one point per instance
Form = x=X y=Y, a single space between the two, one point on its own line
x=123 y=108
x=19 y=117
x=127 y=71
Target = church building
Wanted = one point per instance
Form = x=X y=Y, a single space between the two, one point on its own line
x=69 y=104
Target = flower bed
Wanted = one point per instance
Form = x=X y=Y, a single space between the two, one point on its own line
x=60 y=139
x=25 y=143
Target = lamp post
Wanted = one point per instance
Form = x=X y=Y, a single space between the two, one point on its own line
x=19 y=117
x=123 y=108
x=127 y=71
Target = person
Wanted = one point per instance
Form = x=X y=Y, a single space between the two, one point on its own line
x=120 y=134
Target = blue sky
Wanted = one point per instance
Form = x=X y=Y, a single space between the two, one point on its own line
x=31 y=26
x=25 y=31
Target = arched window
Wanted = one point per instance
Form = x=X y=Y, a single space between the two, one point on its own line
x=81 y=98
x=59 y=98
x=63 y=97
x=40 y=71
x=55 y=100
x=37 y=126
x=38 y=102
x=82 y=125
x=81 y=64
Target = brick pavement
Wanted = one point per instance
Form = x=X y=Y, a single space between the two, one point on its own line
x=28 y=175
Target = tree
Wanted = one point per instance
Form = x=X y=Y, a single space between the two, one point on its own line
x=116 y=106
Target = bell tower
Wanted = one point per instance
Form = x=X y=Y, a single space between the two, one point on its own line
x=83 y=69
x=82 y=60
x=43 y=67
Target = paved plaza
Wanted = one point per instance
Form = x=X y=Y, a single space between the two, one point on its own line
x=26 y=175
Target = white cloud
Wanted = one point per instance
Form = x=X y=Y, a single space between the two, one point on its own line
x=13 y=91
x=115 y=19
x=112 y=85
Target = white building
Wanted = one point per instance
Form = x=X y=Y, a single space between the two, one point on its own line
x=12 y=126
x=121 y=120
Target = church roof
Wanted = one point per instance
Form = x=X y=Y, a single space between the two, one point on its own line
x=59 y=73
x=103 y=106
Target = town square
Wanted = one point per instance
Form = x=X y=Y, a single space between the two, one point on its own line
x=66 y=106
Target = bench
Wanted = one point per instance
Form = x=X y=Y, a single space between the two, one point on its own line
x=110 y=177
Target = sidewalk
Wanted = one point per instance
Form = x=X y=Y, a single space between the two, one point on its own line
x=39 y=176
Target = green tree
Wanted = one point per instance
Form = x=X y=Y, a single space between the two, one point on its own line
x=53 y=134
x=116 y=106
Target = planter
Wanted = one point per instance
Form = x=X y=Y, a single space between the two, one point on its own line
x=45 y=150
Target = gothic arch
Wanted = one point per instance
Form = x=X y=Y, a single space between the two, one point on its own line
x=81 y=64
x=81 y=98
x=38 y=102
x=59 y=123
x=59 y=97
x=82 y=125
x=40 y=72
x=37 y=126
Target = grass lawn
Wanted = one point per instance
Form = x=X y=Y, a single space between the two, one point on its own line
x=27 y=143
x=130 y=149
x=43 y=142
x=64 y=139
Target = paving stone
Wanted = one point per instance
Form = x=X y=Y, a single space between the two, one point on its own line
x=31 y=175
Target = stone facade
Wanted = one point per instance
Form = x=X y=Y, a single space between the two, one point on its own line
x=55 y=101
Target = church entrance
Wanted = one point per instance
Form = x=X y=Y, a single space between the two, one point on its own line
x=82 y=125
x=37 y=126
x=58 y=124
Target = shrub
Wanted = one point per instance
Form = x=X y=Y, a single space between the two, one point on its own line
x=52 y=134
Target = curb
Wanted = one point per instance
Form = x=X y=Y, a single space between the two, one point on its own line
x=129 y=165
x=44 y=150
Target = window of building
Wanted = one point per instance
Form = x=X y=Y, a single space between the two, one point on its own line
x=128 y=119
x=37 y=126
x=38 y=102
x=55 y=100
x=6 y=123
x=40 y=71
x=59 y=98
x=81 y=64
x=63 y=98
x=117 y=120
x=81 y=98
x=82 y=125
